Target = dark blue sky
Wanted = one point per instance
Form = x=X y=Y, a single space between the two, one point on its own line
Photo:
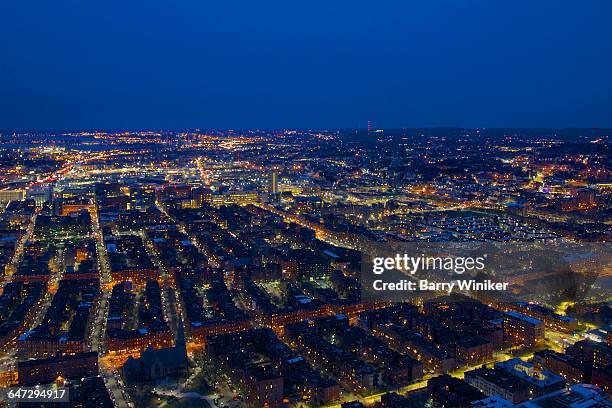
x=329 y=63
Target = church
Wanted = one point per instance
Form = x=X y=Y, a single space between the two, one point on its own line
x=154 y=364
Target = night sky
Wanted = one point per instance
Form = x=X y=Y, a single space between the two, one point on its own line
x=305 y=64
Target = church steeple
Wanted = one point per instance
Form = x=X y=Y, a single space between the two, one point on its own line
x=180 y=343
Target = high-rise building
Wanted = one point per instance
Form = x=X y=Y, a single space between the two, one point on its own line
x=586 y=199
x=40 y=194
x=11 y=195
x=274 y=183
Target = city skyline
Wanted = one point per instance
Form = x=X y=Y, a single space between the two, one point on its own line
x=306 y=204
x=237 y=268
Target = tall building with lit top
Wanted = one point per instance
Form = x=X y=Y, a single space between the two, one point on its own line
x=273 y=183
